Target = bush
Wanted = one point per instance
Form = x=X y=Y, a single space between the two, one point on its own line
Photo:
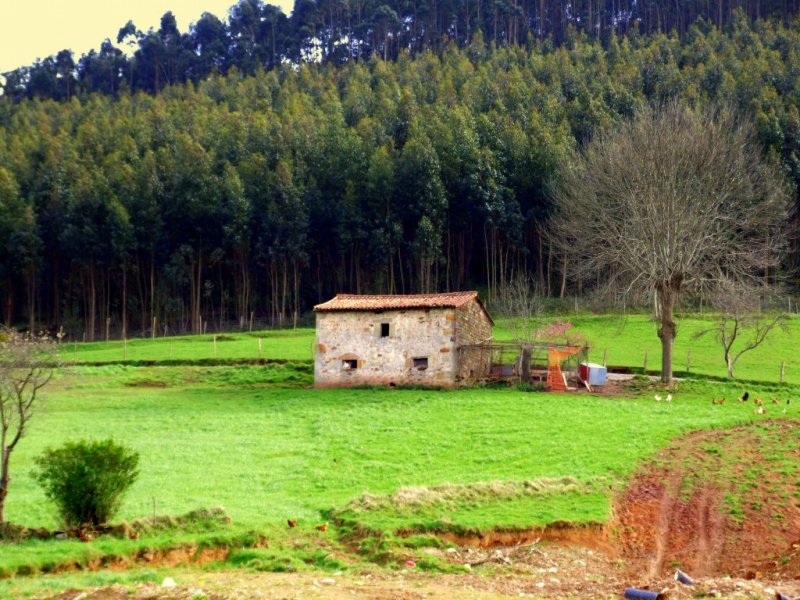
x=87 y=479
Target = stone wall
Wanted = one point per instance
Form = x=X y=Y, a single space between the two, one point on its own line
x=474 y=327
x=350 y=349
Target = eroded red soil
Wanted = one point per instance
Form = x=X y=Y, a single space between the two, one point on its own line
x=717 y=503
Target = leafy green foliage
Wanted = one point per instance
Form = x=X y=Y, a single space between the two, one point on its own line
x=261 y=195
x=87 y=479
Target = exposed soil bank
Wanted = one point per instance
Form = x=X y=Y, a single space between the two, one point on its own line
x=717 y=503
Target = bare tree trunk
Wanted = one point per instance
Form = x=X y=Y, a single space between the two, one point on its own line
x=4 y=479
x=92 y=303
x=30 y=276
x=9 y=312
x=667 y=294
x=124 y=302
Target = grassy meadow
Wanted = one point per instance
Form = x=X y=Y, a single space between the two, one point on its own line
x=258 y=441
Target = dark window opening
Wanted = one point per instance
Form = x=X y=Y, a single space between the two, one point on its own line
x=421 y=363
x=384 y=330
x=348 y=364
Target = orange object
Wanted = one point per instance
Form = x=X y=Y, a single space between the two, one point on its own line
x=556 y=382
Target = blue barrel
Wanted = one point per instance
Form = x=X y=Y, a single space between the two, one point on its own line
x=683 y=578
x=636 y=594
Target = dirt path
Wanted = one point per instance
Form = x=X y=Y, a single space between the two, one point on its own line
x=717 y=503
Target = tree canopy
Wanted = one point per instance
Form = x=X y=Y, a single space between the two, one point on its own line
x=266 y=193
x=673 y=202
x=258 y=36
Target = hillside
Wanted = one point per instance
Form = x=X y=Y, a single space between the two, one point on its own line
x=255 y=197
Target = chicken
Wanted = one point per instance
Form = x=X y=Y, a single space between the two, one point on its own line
x=758 y=401
x=745 y=397
x=759 y=411
x=669 y=398
x=291 y=522
x=775 y=401
x=85 y=536
x=721 y=401
x=322 y=527
x=658 y=397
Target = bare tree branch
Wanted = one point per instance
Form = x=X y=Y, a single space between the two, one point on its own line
x=27 y=364
x=671 y=202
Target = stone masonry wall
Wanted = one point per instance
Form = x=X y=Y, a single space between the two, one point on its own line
x=473 y=327
x=344 y=337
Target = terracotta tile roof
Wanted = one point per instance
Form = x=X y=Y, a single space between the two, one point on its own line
x=370 y=302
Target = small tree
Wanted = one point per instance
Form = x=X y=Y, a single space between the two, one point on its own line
x=671 y=202
x=27 y=363
x=741 y=320
x=87 y=479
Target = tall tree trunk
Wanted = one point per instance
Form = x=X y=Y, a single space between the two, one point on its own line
x=92 y=316
x=9 y=308
x=124 y=302
x=667 y=294
x=30 y=276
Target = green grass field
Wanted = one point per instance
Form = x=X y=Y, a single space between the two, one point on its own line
x=258 y=441
x=287 y=344
x=624 y=340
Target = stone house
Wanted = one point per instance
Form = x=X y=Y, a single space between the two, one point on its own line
x=397 y=339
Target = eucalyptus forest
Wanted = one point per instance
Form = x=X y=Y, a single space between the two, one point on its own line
x=258 y=166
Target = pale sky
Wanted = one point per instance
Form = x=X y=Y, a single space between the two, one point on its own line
x=31 y=29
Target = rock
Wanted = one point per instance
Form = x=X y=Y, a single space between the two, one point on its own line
x=327 y=581
x=168 y=582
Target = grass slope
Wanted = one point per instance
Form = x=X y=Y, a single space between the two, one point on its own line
x=284 y=344
x=258 y=441
x=228 y=436
x=626 y=338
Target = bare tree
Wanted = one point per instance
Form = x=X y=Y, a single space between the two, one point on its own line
x=521 y=303
x=27 y=364
x=673 y=201
x=741 y=320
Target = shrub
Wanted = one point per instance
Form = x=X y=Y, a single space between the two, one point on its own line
x=87 y=479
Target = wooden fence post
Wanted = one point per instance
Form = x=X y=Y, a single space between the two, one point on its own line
x=215 y=346
x=782 y=366
x=645 y=362
x=259 y=348
x=688 y=361
x=605 y=356
x=125 y=348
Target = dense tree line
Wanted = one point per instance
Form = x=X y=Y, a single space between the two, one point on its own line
x=260 y=36
x=268 y=193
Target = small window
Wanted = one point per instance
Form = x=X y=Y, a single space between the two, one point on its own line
x=384 y=330
x=349 y=364
x=421 y=363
